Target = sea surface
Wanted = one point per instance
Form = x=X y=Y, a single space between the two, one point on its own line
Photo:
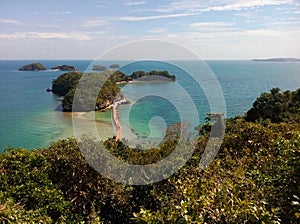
x=32 y=118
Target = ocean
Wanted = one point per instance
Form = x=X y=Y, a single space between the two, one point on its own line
x=31 y=117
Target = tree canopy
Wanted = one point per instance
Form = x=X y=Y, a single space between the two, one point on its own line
x=66 y=85
x=276 y=106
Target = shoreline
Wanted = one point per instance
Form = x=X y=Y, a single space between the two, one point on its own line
x=142 y=81
x=113 y=122
x=115 y=114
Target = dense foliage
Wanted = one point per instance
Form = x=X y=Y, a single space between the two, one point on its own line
x=66 y=84
x=276 y=106
x=119 y=76
x=255 y=178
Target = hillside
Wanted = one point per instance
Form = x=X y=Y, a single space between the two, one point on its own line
x=255 y=178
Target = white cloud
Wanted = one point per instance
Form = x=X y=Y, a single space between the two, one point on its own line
x=97 y=22
x=239 y=5
x=62 y=13
x=238 y=44
x=158 y=30
x=212 y=26
x=134 y=3
x=45 y=35
x=204 y=6
x=142 y=18
x=11 y=21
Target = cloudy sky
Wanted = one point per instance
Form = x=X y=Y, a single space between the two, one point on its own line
x=216 y=29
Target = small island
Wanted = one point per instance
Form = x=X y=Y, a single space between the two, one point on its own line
x=114 y=66
x=32 y=67
x=99 y=68
x=110 y=94
x=142 y=76
x=65 y=86
x=64 y=68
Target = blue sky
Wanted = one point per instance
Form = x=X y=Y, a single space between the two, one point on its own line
x=73 y=29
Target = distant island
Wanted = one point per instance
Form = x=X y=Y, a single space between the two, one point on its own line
x=38 y=67
x=64 y=68
x=114 y=66
x=141 y=76
x=104 y=68
x=32 y=67
x=278 y=60
x=99 y=68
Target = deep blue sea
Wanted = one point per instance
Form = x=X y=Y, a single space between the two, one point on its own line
x=30 y=116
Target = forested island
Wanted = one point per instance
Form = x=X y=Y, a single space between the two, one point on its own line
x=64 y=68
x=104 y=68
x=38 y=67
x=255 y=177
x=99 y=68
x=120 y=77
x=65 y=86
x=32 y=67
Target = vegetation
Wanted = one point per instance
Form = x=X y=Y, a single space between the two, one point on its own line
x=32 y=67
x=276 y=106
x=119 y=76
x=255 y=178
x=99 y=68
x=64 y=68
x=66 y=84
x=139 y=74
x=114 y=66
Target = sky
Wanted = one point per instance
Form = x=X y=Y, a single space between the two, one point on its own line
x=216 y=29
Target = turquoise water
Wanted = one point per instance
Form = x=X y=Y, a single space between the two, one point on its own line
x=30 y=116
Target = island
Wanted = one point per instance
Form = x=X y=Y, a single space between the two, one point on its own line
x=32 y=67
x=65 y=86
x=142 y=76
x=114 y=66
x=110 y=94
x=99 y=68
x=64 y=68
x=278 y=60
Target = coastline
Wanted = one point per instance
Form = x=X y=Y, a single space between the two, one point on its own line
x=136 y=81
x=104 y=127
x=115 y=116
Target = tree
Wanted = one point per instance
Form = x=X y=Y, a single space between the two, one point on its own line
x=276 y=106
